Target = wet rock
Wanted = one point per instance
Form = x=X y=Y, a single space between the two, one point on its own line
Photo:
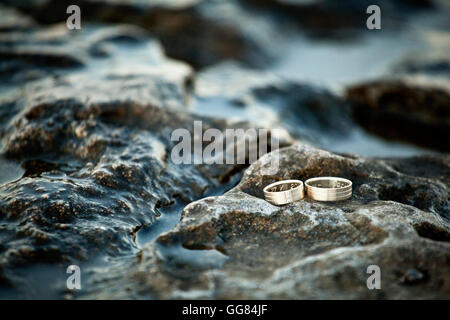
x=309 y=249
x=95 y=146
x=189 y=30
x=331 y=19
x=35 y=53
x=40 y=52
x=432 y=61
x=432 y=64
x=14 y=20
x=85 y=124
x=412 y=276
x=310 y=113
x=415 y=110
x=414 y=105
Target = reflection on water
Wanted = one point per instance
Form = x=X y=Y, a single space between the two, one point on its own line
x=10 y=171
x=170 y=215
x=305 y=126
x=41 y=281
x=335 y=65
x=363 y=143
x=180 y=257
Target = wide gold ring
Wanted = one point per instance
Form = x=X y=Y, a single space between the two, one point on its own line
x=328 y=188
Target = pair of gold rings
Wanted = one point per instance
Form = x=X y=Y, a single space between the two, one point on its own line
x=320 y=189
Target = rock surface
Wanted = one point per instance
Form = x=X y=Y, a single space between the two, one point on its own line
x=86 y=174
x=433 y=61
x=410 y=109
x=95 y=150
x=239 y=246
x=331 y=19
x=307 y=111
x=188 y=29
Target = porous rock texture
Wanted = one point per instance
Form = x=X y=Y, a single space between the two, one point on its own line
x=188 y=29
x=95 y=147
x=411 y=109
x=86 y=118
x=243 y=247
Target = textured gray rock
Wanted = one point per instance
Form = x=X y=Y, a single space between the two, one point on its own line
x=40 y=52
x=14 y=20
x=189 y=30
x=86 y=175
x=308 y=112
x=95 y=151
x=412 y=109
x=397 y=219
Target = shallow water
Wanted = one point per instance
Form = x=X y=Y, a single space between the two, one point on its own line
x=10 y=171
x=180 y=257
x=336 y=64
x=170 y=215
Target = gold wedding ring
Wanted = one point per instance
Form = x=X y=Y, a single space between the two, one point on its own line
x=328 y=188
x=283 y=192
